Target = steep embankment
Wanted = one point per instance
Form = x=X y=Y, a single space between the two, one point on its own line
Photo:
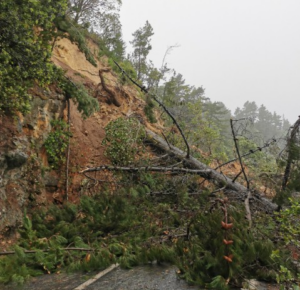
x=87 y=134
x=25 y=176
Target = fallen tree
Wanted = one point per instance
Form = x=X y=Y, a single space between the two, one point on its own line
x=191 y=163
x=221 y=179
x=191 y=166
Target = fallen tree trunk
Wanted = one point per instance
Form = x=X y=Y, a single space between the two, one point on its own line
x=190 y=166
x=219 y=178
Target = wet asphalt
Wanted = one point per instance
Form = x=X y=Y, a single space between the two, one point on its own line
x=151 y=277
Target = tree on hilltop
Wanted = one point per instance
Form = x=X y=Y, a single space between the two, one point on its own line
x=142 y=46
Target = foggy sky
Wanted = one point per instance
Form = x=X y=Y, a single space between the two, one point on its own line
x=238 y=50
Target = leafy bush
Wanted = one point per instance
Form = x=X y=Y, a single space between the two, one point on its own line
x=25 y=52
x=86 y=104
x=124 y=140
x=57 y=143
x=149 y=110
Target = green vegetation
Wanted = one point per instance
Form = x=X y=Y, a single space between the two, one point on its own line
x=27 y=31
x=57 y=143
x=164 y=218
x=132 y=227
x=142 y=46
x=124 y=140
x=76 y=34
x=126 y=66
x=26 y=28
x=265 y=125
x=289 y=222
x=150 y=105
x=86 y=104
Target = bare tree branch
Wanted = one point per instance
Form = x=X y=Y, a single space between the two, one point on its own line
x=238 y=153
x=291 y=141
x=200 y=172
x=247 y=206
x=68 y=150
x=191 y=166
x=237 y=176
x=248 y=153
x=108 y=90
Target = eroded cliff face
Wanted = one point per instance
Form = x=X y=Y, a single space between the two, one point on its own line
x=23 y=158
x=26 y=180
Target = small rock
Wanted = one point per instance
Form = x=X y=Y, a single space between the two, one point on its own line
x=253 y=284
x=16 y=159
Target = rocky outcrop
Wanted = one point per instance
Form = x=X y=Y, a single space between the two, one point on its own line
x=24 y=176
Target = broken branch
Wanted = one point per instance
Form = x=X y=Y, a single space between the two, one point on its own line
x=200 y=172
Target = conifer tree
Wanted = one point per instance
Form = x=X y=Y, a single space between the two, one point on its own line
x=142 y=46
x=110 y=31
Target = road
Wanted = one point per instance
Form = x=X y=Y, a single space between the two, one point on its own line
x=152 y=277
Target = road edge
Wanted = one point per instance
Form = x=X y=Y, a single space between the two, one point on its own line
x=96 y=277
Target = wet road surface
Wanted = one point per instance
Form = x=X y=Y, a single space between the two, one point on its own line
x=152 y=277
x=147 y=277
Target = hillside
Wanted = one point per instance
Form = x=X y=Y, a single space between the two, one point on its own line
x=156 y=174
x=86 y=149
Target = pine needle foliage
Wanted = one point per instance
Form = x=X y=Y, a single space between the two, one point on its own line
x=86 y=104
x=202 y=256
x=131 y=227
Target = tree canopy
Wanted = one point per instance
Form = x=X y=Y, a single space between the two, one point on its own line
x=141 y=47
x=89 y=11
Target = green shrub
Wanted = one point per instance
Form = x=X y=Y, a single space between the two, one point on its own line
x=124 y=140
x=25 y=55
x=57 y=143
x=126 y=65
x=86 y=104
x=149 y=110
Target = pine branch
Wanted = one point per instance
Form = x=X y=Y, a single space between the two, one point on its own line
x=48 y=250
x=247 y=205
